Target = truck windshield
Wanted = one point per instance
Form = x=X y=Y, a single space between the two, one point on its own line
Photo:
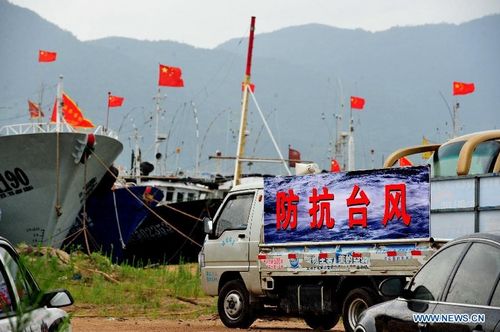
x=444 y=162
x=234 y=214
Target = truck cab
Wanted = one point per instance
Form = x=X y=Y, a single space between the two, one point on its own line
x=233 y=242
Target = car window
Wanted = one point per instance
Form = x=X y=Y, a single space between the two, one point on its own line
x=476 y=276
x=235 y=213
x=24 y=285
x=430 y=281
x=495 y=300
x=5 y=295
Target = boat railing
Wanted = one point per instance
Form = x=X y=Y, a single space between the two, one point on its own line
x=33 y=128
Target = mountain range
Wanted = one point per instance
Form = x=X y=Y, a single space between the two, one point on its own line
x=304 y=76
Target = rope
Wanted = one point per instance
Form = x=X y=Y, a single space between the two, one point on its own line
x=118 y=221
x=58 y=174
x=145 y=205
x=85 y=206
x=178 y=211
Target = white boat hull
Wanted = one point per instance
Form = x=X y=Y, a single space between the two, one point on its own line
x=40 y=196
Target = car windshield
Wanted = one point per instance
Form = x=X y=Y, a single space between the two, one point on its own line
x=444 y=162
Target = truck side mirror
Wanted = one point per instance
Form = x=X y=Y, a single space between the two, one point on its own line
x=208 y=225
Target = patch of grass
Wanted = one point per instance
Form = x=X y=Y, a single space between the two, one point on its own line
x=101 y=288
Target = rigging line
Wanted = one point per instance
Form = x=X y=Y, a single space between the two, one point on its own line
x=85 y=204
x=145 y=205
x=208 y=129
x=268 y=130
x=32 y=95
x=58 y=175
x=447 y=105
x=260 y=132
x=169 y=133
x=117 y=218
x=223 y=80
x=228 y=62
x=179 y=211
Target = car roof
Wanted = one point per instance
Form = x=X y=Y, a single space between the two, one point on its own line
x=491 y=236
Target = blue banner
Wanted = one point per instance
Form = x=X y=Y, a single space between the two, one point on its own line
x=380 y=204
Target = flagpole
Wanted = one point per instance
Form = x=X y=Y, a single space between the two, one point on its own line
x=39 y=119
x=244 y=106
x=107 y=113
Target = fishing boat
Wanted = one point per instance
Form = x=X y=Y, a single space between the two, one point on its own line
x=42 y=183
x=172 y=234
x=46 y=172
x=119 y=221
x=110 y=217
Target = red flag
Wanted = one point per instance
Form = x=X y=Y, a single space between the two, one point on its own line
x=460 y=88
x=252 y=87
x=293 y=156
x=46 y=56
x=170 y=76
x=357 y=102
x=35 y=111
x=403 y=162
x=334 y=167
x=71 y=113
x=115 y=101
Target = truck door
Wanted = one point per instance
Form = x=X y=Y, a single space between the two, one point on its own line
x=229 y=245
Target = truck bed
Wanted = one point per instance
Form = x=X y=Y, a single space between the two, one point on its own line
x=381 y=258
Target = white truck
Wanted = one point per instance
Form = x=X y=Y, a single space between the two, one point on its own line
x=285 y=246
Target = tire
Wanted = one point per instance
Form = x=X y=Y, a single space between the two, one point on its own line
x=322 y=322
x=356 y=301
x=234 y=305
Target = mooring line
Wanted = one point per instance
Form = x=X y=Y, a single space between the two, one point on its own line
x=145 y=205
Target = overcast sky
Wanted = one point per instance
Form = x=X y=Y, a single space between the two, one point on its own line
x=207 y=23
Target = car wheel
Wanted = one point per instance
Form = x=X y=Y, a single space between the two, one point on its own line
x=356 y=301
x=322 y=322
x=234 y=305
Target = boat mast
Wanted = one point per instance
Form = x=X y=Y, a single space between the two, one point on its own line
x=136 y=169
x=342 y=136
x=454 y=119
x=244 y=106
x=350 y=144
x=158 y=138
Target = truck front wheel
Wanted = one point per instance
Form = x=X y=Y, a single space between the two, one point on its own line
x=234 y=306
x=356 y=301
x=322 y=322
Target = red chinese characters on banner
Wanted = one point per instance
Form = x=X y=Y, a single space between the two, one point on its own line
x=286 y=210
x=323 y=207
x=357 y=203
x=395 y=203
x=354 y=203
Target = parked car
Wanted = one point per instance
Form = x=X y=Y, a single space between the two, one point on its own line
x=23 y=306
x=457 y=289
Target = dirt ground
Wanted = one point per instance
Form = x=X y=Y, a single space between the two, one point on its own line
x=206 y=324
